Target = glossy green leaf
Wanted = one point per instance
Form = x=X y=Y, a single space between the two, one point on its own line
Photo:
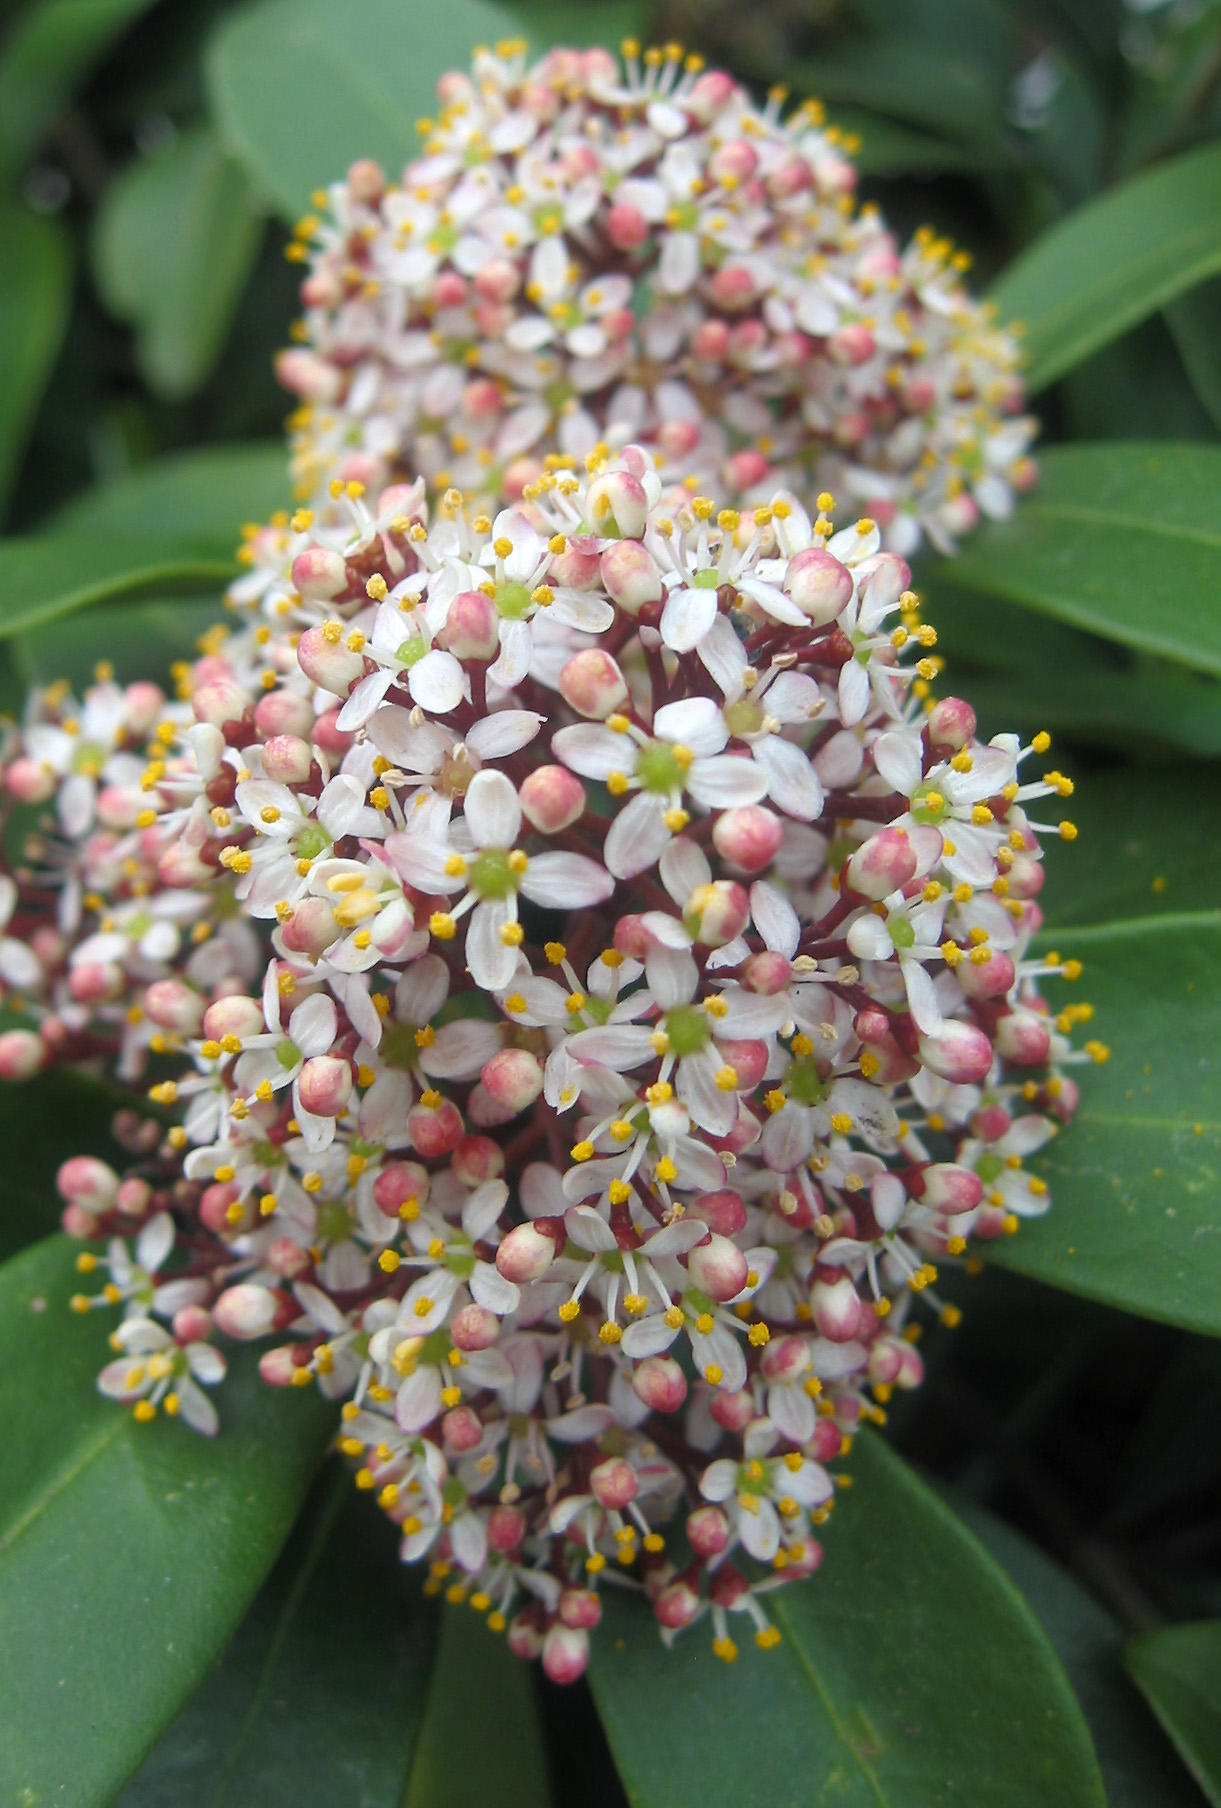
x=1179 y=1671
x=127 y=1553
x=482 y=1734
x=1147 y=847
x=320 y=1695
x=42 y=1122
x=170 y=528
x=922 y=82
x=1121 y=539
x=175 y=238
x=890 y=149
x=1113 y=262
x=1138 y=1767
x=909 y=1669
x=1136 y=1178
x=34 y=300
x=300 y=88
x=50 y=50
x=1195 y=322
x=140 y=638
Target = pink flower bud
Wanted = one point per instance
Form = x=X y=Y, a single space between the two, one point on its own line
x=525 y=1635
x=577 y=567
x=434 y=1130
x=718 y=1268
x=29 y=782
x=592 y=684
x=22 y=1054
x=724 y=1212
x=134 y=1197
x=248 y=1311
x=474 y=1327
x=192 y=1324
x=733 y=1411
x=707 y=1531
x=991 y=978
x=472 y=627
x=959 y=1052
x=733 y=288
x=630 y=576
x=950 y=1189
x=716 y=913
x=307 y=375
x=79 y=1223
x=506 y=1528
x=748 y=1059
x=311 y=928
x=526 y=1253
x=399 y=1182
x=617 y=506
x=277 y=1367
x=626 y=227
x=565 y=1654
x=819 y=585
x=214 y=1208
x=461 y=1429
x=327 y=662
x=710 y=341
x=288 y=1259
x=852 y=344
x=710 y=95
x=551 y=798
x=221 y=703
x=660 y=1383
x=287 y=759
x=614 y=1483
x=676 y=1605
x=766 y=973
x=476 y=1159
x=1023 y=1038
x=884 y=863
x=513 y=1079
x=93 y=982
x=320 y=574
x=173 y=1006
x=498 y=280
x=950 y=723
x=838 y=1311
x=233 y=1016
x=580 y=1608
x=324 y=1085
x=82 y=1180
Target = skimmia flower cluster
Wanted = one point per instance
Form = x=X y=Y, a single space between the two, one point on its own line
x=595 y=249
x=586 y=983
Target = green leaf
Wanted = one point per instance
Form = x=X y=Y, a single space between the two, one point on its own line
x=1138 y=1767
x=300 y=88
x=140 y=639
x=1135 y=1178
x=924 y=83
x=50 y=50
x=1177 y=1669
x=42 y=1122
x=1113 y=262
x=171 y=527
x=176 y=237
x=890 y=149
x=1195 y=323
x=34 y=301
x=478 y=1688
x=1147 y=847
x=1122 y=539
x=320 y=1695
x=127 y=1553
x=910 y=1669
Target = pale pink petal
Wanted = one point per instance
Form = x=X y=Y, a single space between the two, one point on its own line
x=637 y=836
x=695 y=722
x=566 y=881
x=726 y=781
x=792 y=783
x=687 y=617
x=437 y=683
x=493 y=813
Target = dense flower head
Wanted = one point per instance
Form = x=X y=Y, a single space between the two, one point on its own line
x=589 y=980
x=591 y=248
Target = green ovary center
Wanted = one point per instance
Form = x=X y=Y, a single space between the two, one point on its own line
x=310 y=843
x=745 y=717
x=900 y=931
x=410 y=652
x=989 y=1168
x=658 y=770
x=491 y=876
x=513 y=600
x=688 y=1029
x=287 y=1054
x=805 y=1084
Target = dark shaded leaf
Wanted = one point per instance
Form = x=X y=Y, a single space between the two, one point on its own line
x=1177 y=1669
x=34 y=301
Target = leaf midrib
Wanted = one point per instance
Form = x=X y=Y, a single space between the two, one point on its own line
x=112 y=1426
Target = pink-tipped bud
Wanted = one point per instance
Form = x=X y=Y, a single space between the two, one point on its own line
x=472 y=627
x=476 y=1159
x=525 y=1635
x=513 y=1079
x=630 y=576
x=173 y=1006
x=748 y=1059
x=617 y=506
x=93 y=982
x=311 y=928
x=990 y=978
x=767 y=974
x=660 y=1383
x=565 y=1653
x=461 y=1429
x=435 y=1130
x=77 y=1222
x=614 y=1483
x=883 y=864
x=328 y=737
x=626 y=227
x=580 y=1608
x=724 y=1212
x=852 y=344
x=748 y=837
x=324 y=1085
x=83 y=1180
x=1023 y=1038
x=249 y=1311
x=398 y=1184
x=710 y=95
x=786 y=1358
x=328 y=663
x=819 y=585
x=221 y=1210
x=233 y=1016
x=838 y=1311
x=951 y=723
x=278 y=1367
x=142 y=705
x=577 y=567
x=526 y=1253
x=676 y=1605
x=951 y=1189
x=959 y=1052
x=551 y=798
x=134 y=1197
x=29 y=781
x=718 y=1268
x=221 y=703
x=22 y=1054
x=474 y=1327
x=716 y=913
x=307 y=375
x=191 y=1324
x=592 y=684
x=288 y=1259
x=506 y=1528
x=320 y=574
x=733 y=1411
x=287 y=759
x=707 y=1531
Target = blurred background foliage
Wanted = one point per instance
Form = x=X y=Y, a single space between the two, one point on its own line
x=153 y=155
